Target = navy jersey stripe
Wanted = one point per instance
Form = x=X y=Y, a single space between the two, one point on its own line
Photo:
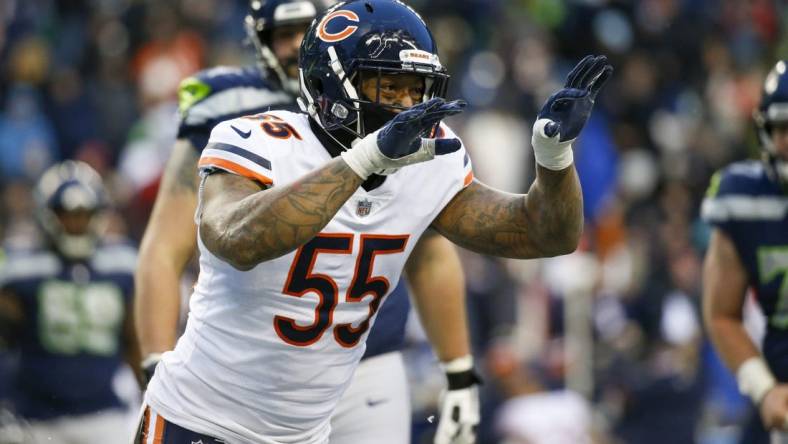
x=262 y=161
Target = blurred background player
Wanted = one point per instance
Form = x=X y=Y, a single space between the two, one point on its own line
x=376 y=406
x=746 y=204
x=66 y=309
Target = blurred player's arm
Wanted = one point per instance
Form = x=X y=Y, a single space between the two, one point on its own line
x=724 y=289
x=11 y=318
x=545 y=222
x=132 y=348
x=245 y=224
x=168 y=244
x=438 y=288
x=437 y=282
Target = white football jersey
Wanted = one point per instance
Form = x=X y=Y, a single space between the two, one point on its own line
x=268 y=352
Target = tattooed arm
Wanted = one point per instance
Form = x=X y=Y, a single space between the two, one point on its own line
x=545 y=222
x=245 y=225
x=170 y=240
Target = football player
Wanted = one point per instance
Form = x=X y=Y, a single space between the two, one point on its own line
x=66 y=307
x=306 y=222
x=375 y=406
x=746 y=205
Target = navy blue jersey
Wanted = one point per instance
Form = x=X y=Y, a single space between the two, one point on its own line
x=223 y=93
x=71 y=341
x=750 y=207
x=388 y=332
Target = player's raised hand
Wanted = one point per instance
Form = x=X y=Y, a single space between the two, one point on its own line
x=564 y=114
x=404 y=140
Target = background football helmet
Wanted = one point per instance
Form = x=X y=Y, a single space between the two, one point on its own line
x=264 y=16
x=377 y=36
x=773 y=109
x=69 y=197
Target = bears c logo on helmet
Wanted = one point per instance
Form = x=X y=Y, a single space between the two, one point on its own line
x=330 y=37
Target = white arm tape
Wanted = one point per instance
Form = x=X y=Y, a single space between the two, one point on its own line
x=457 y=365
x=548 y=151
x=755 y=379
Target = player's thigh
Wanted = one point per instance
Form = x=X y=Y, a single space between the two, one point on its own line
x=375 y=407
x=155 y=429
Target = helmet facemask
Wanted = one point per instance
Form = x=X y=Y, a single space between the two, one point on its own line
x=776 y=114
x=771 y=113
x=355 y=114
x=260 y=32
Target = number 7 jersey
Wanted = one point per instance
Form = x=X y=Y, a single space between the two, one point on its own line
x=268 y=352
x=752 y=210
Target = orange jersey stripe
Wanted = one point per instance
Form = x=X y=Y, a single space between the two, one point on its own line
x=146 y=424
x=158 y=435
x=468 y=179
x=235 y=168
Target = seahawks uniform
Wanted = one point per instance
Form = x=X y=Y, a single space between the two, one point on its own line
x=71 y=340
x=267 y=353
x=750 y=207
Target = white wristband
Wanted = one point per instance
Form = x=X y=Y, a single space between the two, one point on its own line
x=457 y=365
x=549 y=151
x=755 y=379
x=359 y=159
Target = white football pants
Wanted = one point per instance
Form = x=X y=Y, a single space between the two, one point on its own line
x=376 y=405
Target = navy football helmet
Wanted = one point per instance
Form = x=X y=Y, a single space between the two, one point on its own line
x=264 y=16
x=375 y=37
x=69 y=197
x=772 y=110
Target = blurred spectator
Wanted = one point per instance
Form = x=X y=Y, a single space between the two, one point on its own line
x=27 y=140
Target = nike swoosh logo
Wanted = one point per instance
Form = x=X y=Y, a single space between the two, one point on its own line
x=243 y=134
x=374 y=402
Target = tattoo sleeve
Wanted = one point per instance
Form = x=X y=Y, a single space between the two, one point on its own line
x=545 y=222
x=245 y=225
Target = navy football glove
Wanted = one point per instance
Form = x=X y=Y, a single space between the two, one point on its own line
x=570 y=107
x=404 y=140
x=565 y=113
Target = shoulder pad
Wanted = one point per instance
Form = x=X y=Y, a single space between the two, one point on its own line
x=28 y=265
x=115 y=257
x=205 y=83
x=743 y=192
x=746 y=177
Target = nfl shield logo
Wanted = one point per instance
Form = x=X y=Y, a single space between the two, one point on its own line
x=364 y=207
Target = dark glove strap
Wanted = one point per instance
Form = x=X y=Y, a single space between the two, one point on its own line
x=461 y=380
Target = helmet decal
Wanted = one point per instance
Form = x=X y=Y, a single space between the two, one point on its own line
x=330 y=37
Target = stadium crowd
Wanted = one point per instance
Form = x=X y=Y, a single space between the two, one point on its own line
x=606 y=342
